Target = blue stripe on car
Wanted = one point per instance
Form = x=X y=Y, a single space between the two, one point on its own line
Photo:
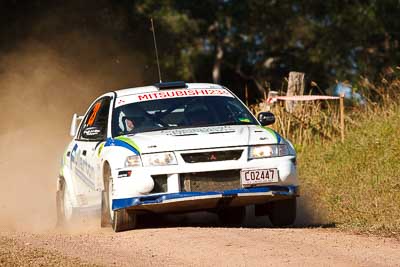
x=116 y=142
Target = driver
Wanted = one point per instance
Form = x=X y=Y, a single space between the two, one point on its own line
x=130 y=125
x=131 y=119
x=126 y=124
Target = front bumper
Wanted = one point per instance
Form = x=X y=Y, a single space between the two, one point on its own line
x=141 y=182
x=195 y=201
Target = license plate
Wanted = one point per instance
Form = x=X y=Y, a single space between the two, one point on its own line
x=255 y=177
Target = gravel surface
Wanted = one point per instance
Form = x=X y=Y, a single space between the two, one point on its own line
x=197 y=246
x=20 y=252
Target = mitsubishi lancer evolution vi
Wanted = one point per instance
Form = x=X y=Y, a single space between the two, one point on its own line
x=175 y=147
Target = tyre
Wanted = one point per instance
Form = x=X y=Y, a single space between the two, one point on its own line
x=120 y=220
x=65 y=210
x=105 y=212
x=232 y=216
x=283 y=212
x=124 y=220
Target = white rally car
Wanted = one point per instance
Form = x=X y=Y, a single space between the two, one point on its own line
x=176 y=147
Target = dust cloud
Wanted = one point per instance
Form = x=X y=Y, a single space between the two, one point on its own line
x=40 y=89
x=43 y=81
x=41 y=86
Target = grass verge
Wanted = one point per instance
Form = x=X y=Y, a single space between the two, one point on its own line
x=357 y=184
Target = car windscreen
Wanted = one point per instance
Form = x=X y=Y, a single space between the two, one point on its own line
x=183 y=112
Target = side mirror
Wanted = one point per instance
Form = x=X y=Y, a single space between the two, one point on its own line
x=266 y=118
x=72 y=131
x=74 y=122
x=93 y=132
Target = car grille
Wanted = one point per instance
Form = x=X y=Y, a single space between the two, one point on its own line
x=212 y=156
x=160 y=184
x=210 y=181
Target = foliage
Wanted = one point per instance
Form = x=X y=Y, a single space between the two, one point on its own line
x=237 y=43
x=251 y=42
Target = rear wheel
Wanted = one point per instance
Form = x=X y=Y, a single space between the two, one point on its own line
x=283 y=212
x=120 y=220
x=233 y=216
x=64 y=205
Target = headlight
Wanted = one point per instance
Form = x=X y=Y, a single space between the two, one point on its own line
x=159 y=159
x=268 y=151
x=133 y=161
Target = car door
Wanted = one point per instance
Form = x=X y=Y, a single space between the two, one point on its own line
x=86 y=163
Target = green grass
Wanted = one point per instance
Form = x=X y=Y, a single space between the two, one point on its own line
x=357 y=184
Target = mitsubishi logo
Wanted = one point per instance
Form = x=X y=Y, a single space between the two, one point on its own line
x=213 y=156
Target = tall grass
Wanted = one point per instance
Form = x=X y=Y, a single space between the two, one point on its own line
x=357 y=184
x=310 y=122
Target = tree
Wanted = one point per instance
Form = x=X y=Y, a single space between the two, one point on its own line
x=232 y=42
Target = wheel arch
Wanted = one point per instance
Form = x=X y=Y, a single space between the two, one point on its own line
x=106 y=167
x=66 y=179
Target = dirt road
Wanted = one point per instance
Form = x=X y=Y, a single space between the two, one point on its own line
x=190 y=245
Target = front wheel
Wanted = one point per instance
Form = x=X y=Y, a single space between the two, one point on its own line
x=283 y=212
x=120 y=220
x=124 y=220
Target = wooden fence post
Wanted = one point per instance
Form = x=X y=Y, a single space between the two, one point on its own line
x=342 y=117
x=295 y=87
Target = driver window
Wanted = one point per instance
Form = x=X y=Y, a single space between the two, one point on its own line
x=94 y=126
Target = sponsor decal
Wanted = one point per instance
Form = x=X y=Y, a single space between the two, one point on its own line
x=81 y=167
x=205 y=130
x=100 y=149
x=73 y=154
x=84 y=178
x=244 y=120
x=171 y=94
x=120 y=102
x=92 y=131
x=94 y=113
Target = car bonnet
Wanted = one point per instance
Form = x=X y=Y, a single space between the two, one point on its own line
x=203 y=138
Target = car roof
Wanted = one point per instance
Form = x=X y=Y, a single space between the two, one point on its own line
x=152 y=88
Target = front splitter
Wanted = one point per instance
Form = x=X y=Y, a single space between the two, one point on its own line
x=187 y=201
